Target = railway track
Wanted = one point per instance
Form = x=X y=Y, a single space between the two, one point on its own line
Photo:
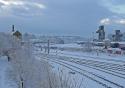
x=91 y=65
x=98 y=58
x=117 y=70
x=104 y=65
x=90 y=75
x=110 y=68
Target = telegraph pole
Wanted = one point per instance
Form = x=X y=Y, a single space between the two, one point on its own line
x=48 y=46
x=93 y=37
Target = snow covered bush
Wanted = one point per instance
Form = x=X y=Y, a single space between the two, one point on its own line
x=8 y=43
x=4 y=42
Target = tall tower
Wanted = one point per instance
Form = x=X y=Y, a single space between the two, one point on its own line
x=101 y=33
x=118 y=35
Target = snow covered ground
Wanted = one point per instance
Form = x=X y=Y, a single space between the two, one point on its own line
x=92 y=56
x=79 y=81
x=4 y=81
x=98 y=70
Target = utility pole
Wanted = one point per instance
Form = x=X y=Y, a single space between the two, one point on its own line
x=93 y=37
x=48 y=46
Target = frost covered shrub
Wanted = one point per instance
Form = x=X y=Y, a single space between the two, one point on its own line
x=8 y=43
x=4 y=42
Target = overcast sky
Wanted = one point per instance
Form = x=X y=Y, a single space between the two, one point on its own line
x=62 y=17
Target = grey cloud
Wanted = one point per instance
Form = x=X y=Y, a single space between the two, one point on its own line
x=21 y=7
